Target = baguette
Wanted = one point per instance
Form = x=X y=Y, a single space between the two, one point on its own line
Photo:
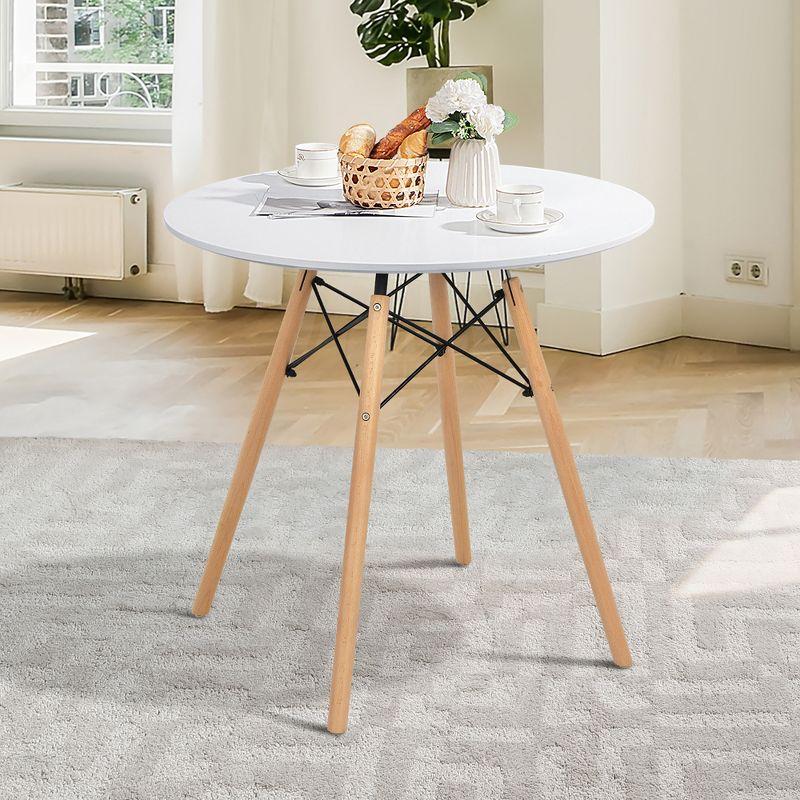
x=358 y=140
x=390 y=144
x=414 y=146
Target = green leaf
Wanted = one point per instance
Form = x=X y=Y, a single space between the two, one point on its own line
x=362 y=7
x=448 y=126
x=438 y=8
x=394 y=30
x=461 y=10
x=510 y=121
x=475 y=76
x=440 y=138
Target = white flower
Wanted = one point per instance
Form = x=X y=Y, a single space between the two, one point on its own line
x=443 y=103
x=488 y=121
x=465 y=96
x=471 y=97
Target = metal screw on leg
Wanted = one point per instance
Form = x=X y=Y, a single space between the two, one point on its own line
x=376 y=307
x=365 y=417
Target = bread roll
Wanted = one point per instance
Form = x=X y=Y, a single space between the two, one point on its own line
x=390 y=144
x=414 y=146
x=358 y=140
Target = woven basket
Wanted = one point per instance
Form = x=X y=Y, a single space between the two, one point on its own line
x=387 y=183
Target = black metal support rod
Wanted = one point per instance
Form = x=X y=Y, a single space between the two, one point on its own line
x=504 y=333
x=445 y=344
x=418 y=331
x=397 y=309
x=336 y=341
x=402 y=286
x=402 y=385
x=405 y=325
x=355 y=300
x=425 y=335
x=455 y=303
x=490 y=334
x=438 y=341
x=344 y=329
x=381 y=283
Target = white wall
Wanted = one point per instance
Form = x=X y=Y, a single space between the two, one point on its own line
x=736 y=58
x=612 y=110
x=641 y=142
x=690 y=103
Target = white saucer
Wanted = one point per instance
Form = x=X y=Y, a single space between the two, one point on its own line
x=551 y=217
x=289 y=174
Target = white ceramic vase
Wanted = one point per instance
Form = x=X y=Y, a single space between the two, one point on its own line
x=474 y=173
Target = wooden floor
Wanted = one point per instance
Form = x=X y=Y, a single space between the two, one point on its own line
x=169 y=371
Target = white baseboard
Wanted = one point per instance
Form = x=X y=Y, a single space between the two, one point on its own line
x=612 y=330
x=641 y=324
x=561 y=327
x=158 y=283
x=617 y=329
x=740 y=322
x=564 y=328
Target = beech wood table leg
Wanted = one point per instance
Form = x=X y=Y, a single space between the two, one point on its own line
x=358 y=513
x=253 y=442
x=451 y=420
x=567 y=474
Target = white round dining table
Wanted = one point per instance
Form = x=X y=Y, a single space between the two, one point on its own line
x=598 y=216
x=219 y=218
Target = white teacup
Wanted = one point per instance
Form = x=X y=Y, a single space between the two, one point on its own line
x=316 y=160
x=520 y=204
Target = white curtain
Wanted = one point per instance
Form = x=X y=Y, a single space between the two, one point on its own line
x=230 y=98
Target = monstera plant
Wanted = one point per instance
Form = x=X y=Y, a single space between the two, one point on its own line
x=392 y=31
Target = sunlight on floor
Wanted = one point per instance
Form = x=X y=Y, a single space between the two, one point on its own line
x=777 y=511
x=769 y=557
x=15 y=341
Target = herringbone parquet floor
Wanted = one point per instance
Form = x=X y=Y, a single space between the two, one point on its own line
x=109 y=368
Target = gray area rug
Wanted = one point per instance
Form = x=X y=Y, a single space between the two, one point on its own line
x=479 y=683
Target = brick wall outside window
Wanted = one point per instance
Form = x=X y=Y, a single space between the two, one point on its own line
x=52 y=46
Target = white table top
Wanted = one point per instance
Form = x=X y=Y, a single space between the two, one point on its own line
x=599 y=216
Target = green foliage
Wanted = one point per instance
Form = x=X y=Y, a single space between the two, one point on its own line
x=442 y=132
x=510 y=121
x=133 y=37
x=395 y=30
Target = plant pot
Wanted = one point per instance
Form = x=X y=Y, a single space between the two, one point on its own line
x=423 y=82
x=473 y=174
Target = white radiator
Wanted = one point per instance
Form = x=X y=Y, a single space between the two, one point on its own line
x=72 y=231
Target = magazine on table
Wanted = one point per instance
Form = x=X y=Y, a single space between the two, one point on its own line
x=304 y=207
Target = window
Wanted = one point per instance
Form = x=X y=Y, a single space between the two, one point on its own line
x=92 y=63
x=164 y=24
x=87 y=24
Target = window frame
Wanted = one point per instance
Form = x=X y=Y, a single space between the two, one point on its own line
x=69 y=123
x=101 y=28
x=163 y=12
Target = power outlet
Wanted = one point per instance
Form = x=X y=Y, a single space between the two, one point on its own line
x=757 y=272
x=736 y=269
x=747 y=270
